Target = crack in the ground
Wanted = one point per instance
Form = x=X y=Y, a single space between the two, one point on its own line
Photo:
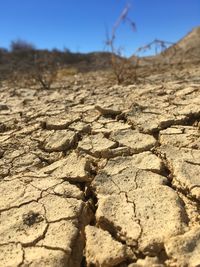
x=21 y=205
x=192 y=163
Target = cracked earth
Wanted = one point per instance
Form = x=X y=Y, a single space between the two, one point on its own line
x=93 y=174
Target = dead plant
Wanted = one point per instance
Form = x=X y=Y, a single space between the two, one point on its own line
x=125 y=71
x=44 y=69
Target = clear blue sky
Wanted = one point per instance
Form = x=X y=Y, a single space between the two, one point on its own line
x=80 y=24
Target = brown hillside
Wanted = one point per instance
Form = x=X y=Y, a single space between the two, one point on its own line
x=188 y=47
x=185 y=50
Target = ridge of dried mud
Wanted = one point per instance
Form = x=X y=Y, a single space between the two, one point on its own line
x=98 y=175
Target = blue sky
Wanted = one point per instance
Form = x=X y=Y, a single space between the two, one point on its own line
x=80 y=25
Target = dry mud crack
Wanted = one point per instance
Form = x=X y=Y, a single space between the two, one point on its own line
x=101 y=177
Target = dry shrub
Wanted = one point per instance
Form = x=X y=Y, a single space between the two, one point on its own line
x=125 y=70
x=44 y=71
x=131 y=70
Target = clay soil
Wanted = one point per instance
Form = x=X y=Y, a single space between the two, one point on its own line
x=98 y=174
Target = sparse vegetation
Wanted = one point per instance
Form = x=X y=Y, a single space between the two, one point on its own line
x=125 y=71
x=21 y=46
x=25 y=65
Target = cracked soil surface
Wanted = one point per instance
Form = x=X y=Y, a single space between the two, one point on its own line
x=93 y=174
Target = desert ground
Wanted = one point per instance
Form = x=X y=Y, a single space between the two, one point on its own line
x=98 y=174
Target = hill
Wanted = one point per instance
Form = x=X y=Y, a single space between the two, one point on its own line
x=186 y=49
